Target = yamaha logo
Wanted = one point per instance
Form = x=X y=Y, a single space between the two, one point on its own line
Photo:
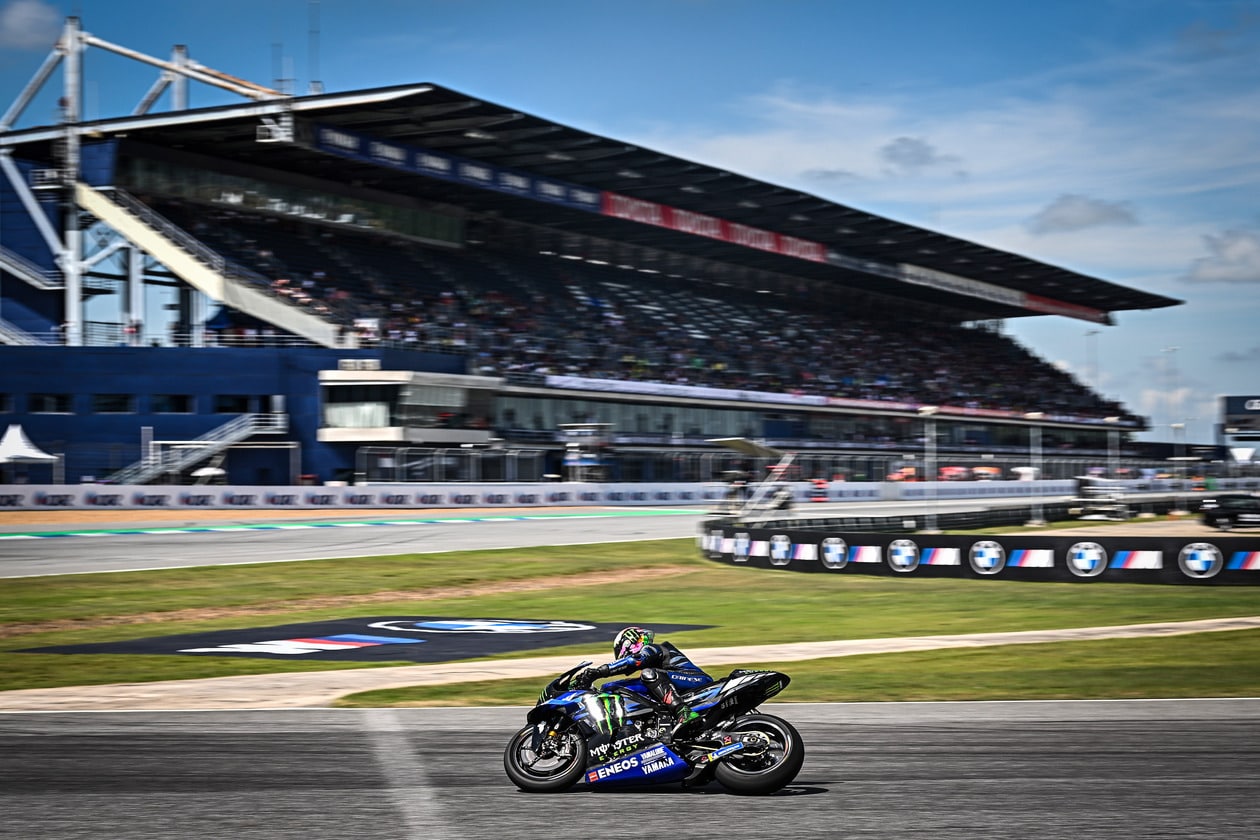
x=987 y=557
x=1087 y=559
x=903 y=555
x=1200 y=560
x=835 y=553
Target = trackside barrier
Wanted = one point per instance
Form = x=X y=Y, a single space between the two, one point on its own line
x=994 y=517
x=524 y=494
x=377 y=496
x=1233 y=560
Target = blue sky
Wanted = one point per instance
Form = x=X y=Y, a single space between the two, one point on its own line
x=1118 y=138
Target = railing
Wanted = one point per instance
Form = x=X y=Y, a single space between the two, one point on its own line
x=409 y=464
x=167 y=228
x=13 y=334
x=159 y=461
x=30 y=271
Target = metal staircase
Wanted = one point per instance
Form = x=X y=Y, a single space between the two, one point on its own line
x=201 y=267
x=26 y=270
x=169 y=457
x=13 y=334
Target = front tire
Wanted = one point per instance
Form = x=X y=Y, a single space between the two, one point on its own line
x=768 y=767
x=555 y=766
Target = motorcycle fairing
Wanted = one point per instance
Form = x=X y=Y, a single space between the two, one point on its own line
x=655 y=764
x=740 y=692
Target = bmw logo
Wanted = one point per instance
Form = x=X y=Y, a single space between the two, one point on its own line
x=480 y=625
x=903 y=555
x=1087 y=559
x=780 y=550
x=1200 y=560
x=835 y=553
x=987 y=557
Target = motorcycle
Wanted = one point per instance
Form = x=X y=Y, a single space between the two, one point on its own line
x=617 y=735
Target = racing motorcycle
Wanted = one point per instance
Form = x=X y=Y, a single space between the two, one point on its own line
x=617 y=735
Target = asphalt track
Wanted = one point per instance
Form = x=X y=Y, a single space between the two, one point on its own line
x=131 y=544
x=971 y=771
x=34 y=550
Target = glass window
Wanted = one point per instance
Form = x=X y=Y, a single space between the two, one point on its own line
x=172 y=404
x=113 y=403
x=49 y=403
x=232 y=403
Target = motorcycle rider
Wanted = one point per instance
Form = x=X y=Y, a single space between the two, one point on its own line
x=665 y=670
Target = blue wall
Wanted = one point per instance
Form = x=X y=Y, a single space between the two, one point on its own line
x=97 y=444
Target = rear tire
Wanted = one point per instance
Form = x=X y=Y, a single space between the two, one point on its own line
x=556 y=766
x=1225 y=524
x=758 y=772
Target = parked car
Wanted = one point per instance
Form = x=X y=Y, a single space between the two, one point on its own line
x=1233 y=510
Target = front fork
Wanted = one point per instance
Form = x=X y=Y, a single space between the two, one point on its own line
x=549 y=740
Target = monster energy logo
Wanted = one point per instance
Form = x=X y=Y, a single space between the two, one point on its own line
x=607 y=711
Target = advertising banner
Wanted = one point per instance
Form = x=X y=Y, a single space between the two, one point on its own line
x=1233 y=560
x=374 y=496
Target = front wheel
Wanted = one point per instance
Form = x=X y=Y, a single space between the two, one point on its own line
x=1225 y=524
x=771 y=758
x=555 y=765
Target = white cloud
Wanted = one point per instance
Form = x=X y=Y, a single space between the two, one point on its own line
x=1249 y=356
x=912 y=154
x=29 y=24
x=1077 y=212
x=1234 y=257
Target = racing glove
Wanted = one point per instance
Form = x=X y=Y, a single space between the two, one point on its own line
x=588 y=676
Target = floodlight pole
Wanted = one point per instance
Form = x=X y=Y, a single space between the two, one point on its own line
x=68 y=169
x=67 y=244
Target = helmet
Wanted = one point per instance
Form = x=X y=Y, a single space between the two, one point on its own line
x=631 y=640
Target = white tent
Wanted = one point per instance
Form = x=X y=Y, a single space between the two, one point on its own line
x=16 y=447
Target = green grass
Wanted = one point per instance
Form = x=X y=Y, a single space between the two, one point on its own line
x=745 y=606
x=1222 y=664
x=206 y=587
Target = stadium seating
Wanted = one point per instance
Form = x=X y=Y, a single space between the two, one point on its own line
x=521 y=313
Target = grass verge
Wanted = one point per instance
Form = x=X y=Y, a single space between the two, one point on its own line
x=604 y=583
x=1222 y=664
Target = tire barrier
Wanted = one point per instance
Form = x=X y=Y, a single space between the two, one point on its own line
x=1034 y=557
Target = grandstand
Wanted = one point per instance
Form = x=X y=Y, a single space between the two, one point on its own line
x=366 y=285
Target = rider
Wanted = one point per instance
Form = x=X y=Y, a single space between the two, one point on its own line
x=666 y=669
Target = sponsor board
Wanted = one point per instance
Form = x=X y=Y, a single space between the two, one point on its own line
x=401 y=496
x=1227 y=559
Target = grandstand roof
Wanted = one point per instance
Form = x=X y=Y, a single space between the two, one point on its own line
x=449 y=122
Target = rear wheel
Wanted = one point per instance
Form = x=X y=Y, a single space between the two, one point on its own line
x=555 y=765
x=772 y=756
x=1224 y=523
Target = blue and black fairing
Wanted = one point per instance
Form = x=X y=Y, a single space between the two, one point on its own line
x=654 y=764
x=740 y=692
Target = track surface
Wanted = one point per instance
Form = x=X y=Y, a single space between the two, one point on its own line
x=183 y=543
x=1128 y=769
x=108 y=540
x=971 y=771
